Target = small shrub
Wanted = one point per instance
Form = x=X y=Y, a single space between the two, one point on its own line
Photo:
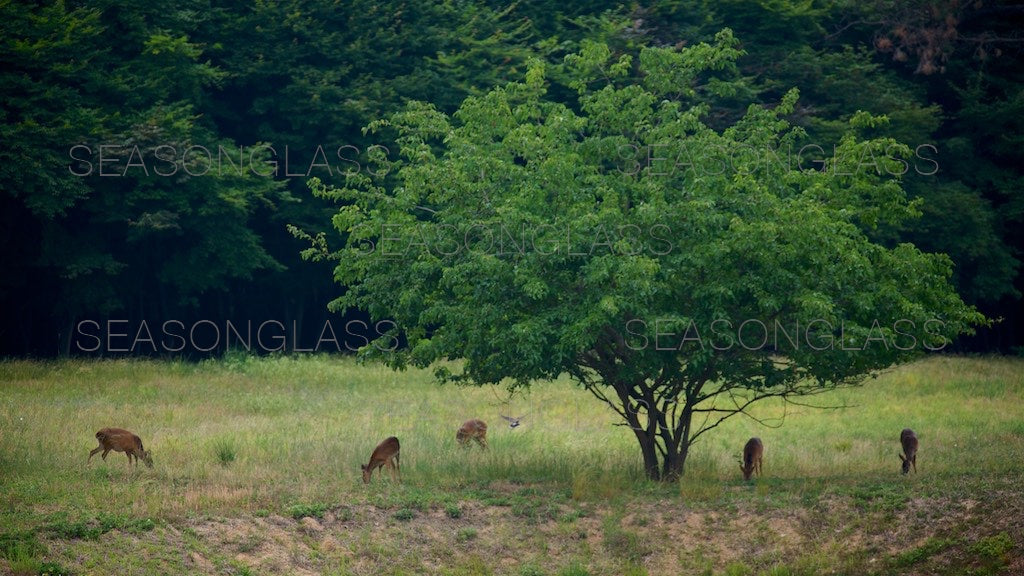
x=993 y=554
x=524 y=509
x=404 y=515
x=74 y=529
x=52 y=569
x=465 y=535
x=408 y=497
x=299 y=511
x=125 y=524
x=20 y=544
x=993 y=547
x=574 y=569
x=93 y=528
x=572 y=516
x=930 y=548
x=250 y=542
x=881 y=498
x=737 y=569
x=781 y=571
x=23 y=563
x=453 y=511
x=635 y=570
x=242 y=570
x=625 y=545
x=531 y=570
x=534 y=508
x=22 y=551
x=225 y=451
x=496 y=501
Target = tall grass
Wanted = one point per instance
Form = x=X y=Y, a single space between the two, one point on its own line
x=251 y=434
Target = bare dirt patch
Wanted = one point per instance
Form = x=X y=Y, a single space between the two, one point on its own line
x=663 y=536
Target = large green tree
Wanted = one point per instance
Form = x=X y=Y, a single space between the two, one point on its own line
x=678 y=272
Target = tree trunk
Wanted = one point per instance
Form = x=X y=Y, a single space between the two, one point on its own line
x=669 y=468
x=672 y=468
x=650 y=453
x=675 y=463
x=674 y=441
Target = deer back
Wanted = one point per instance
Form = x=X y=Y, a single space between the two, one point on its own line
x=909 y=441
x=753 y=451
x=471 y=429
x=120 y=440
x=384 y=451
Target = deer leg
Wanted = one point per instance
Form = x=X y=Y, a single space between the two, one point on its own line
x=104 y=455
x=94 y=451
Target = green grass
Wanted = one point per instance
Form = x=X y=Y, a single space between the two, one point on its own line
x=283 y=437
x=312 y=510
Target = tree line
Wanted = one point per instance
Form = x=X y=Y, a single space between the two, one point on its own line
x=156 y=160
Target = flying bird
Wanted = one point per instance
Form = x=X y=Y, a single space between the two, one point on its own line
x=513 y=421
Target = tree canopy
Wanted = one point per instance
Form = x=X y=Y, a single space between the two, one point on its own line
x=677 y=271
x=153 y=156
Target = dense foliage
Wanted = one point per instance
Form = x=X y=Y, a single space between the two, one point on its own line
x=677 y=272
x=153 y=156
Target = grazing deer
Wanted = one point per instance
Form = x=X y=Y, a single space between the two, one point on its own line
x=385 y=454
x=121 y=440
x=472 y=430
x=909 y=441
x=513 y=421
x=753 y=452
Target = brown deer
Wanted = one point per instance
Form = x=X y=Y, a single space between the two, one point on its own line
x=753 y=452
x=472 y=430
x=909 y=441
x=385 y=454
x=121 y=440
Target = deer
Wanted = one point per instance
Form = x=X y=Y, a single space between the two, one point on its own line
x=909 y=457
x=753 y=452
x=121 y=440
x=385 y=454
x=472 y=430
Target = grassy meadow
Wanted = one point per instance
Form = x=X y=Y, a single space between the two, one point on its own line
x=257 y=472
